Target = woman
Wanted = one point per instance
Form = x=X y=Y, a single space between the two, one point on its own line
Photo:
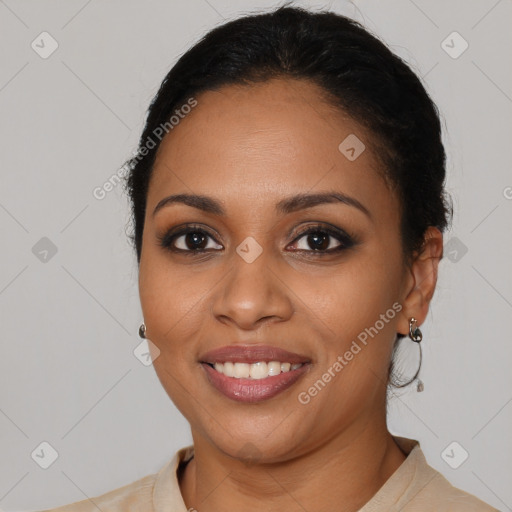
x=288 y=205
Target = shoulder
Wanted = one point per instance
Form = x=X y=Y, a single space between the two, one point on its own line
x=137 y=496
x=440 y=495
x=420 y=487
x=431 y=490
x=153 y=492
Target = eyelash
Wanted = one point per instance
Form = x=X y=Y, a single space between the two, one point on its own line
x=346 y=241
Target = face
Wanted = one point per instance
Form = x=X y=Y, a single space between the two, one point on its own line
x=311 y=277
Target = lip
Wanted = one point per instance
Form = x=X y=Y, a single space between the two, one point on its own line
x=251 y=354
x=253 y=390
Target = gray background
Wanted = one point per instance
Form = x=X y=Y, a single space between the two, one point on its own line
x=69 y=322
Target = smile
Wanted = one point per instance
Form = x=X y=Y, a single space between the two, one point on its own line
x=253 y=373
x=259 y=370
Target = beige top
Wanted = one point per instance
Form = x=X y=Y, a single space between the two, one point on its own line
x=413 y=487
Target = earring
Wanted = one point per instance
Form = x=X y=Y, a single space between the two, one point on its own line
x=416 y=335
x=414 y=331
x=142 y=330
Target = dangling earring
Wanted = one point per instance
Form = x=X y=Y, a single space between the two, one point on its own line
x=416 y=335
x=142 y=331
x=414 y=331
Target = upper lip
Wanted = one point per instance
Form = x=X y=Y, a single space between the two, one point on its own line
x=251 y=354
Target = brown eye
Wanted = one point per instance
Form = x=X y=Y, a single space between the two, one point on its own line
x=192 y=240
x=321 y=239
x=188 y=240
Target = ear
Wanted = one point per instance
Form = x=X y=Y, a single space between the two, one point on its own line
x=420 y=280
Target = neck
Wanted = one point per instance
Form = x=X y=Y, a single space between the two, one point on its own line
x=348 y=469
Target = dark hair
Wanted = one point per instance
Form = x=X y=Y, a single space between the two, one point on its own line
x=357 y=73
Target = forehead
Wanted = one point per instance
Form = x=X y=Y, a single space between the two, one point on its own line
x=265 y=141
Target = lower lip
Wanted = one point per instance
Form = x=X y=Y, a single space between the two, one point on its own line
x=253 y=390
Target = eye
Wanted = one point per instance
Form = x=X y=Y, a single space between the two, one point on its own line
x=191 y=239
x=321 y=239
x=317 y=239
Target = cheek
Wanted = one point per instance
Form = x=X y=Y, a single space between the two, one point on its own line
x=350 y=299
x=355 y=308
x=174 y=307
x=175 y=304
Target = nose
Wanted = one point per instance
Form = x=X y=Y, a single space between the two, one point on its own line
x=253 y=293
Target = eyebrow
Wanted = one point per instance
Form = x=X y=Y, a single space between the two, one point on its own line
x=288 y=205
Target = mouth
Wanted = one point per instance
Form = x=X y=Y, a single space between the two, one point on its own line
x=253 y=373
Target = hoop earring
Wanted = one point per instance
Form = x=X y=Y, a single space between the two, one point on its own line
x=416 y=335
x=414 y=331
x=142 y=331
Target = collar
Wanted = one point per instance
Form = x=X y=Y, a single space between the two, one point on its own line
x=167 y=494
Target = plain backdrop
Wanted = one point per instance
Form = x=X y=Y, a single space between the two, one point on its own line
x=69 y=301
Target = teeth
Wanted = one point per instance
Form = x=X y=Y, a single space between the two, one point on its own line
x=241 y=370
x=274 y=368
x=228 y=369
x=259 y=370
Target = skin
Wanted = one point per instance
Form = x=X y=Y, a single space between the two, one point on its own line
x=250 y=147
